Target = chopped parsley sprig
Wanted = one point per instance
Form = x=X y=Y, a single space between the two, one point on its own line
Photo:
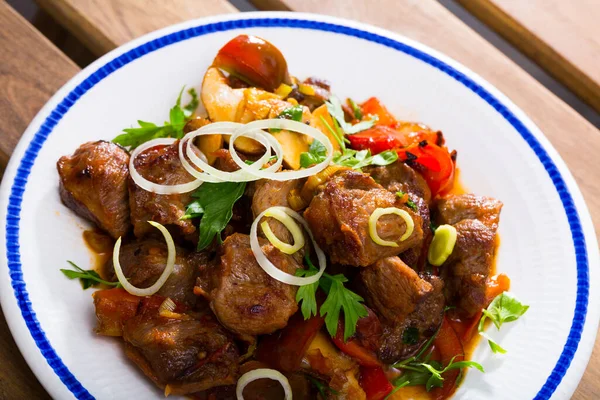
x=504 y=308
x=87 y=278
x=339 y=299
x=178 y=117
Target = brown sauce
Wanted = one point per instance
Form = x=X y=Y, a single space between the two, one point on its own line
x=101 y=246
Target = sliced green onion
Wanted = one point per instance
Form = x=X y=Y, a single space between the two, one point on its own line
x=378 y=213
x=442 y=245
x=163 y=277
x=290 y=224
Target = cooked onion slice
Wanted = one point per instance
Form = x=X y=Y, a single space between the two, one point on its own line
x=163 y=277
x=156 y=187
x=290 y=224
x=295 y=126
x=378 y=213
x=268 y=266
x=262 y=373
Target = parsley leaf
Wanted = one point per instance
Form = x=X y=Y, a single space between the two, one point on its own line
x=316 y=154
x=190 y=107
x=341 y=299
x=504 y=308
x=306 y=295
x=430 y=373
x=216 y=201
x=334 y=106
x=410 y=335
x=133 y=137
x=87 y=278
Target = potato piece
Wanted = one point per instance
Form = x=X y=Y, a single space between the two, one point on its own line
x=315 y=122
x=208 y=144
x=293 y=144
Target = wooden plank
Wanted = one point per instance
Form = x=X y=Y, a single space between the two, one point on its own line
x=563 y=37
x=103 y=25
x=32 y=69
x=427 y=21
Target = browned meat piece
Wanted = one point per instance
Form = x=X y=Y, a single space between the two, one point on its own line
x=469 y=266
x=143 y=261
x=339 y=219
x=93 y=183
x=454 y=209
x=270 y=194
x=244 y=298
x=160 y=165
x=183 y=355
x=410 y=307
x=400 y=177
x=224 y=162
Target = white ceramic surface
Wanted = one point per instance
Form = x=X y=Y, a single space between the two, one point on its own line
x=537 y=249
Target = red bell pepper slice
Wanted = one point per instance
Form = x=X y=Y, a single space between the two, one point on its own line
x=374 y=382
x=374 y=107
x=438 y=165
x=284 y=350
x=449 y=345
x=253 y=60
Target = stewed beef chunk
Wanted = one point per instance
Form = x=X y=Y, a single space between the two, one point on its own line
x=268 y=194
x=160 y=165
x=410 y=307
x=339 y=219
x=143 y=261
x=400 y=177
x=469 y=266
x=93 y=183
x=245 y=298
x=184 y=354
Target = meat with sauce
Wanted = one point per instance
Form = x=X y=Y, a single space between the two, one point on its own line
x=184 y=354
x=339 y=218
x=245 y=299
x=160 y=165
x=268 y=193
x=143 y=261
x=93 y=183
x=410 y=307
x=399 y=177
x=469 y=266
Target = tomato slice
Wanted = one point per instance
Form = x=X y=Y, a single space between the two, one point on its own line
x=377 y=139
x=374 y=382
x=253 y=60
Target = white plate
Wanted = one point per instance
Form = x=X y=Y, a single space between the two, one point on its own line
x=548 y=244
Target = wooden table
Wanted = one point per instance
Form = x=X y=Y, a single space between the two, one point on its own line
x=32 y=69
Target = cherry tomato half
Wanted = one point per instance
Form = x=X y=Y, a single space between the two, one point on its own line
x=253 y=60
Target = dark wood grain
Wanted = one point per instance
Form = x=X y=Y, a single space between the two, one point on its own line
x=32 y=69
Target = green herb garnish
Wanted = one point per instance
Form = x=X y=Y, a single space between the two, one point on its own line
x=409 y=203
x=87 y=278
x=334 y=106
x=339 y=299
x=133 y=137
x=293 y=113
x=355 y=109
x=410 y=335
x=321 y=387
x=214 y=203
x=504 y=308
x=316 y=153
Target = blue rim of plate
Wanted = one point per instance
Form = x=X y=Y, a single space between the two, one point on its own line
x=27 y=162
